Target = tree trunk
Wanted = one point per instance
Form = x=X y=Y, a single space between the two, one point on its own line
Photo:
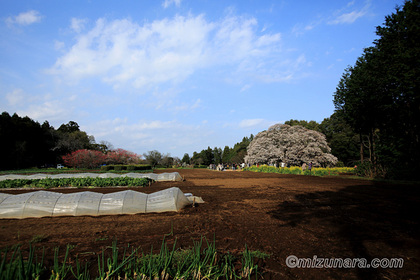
x=361 y=148
x=370 y=141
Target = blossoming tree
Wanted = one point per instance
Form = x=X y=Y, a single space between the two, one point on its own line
x=84 y=159
x=292 y=145
x=121 y=156
x=92 y=159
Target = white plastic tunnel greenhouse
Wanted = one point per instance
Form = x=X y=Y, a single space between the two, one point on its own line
x=46 y=203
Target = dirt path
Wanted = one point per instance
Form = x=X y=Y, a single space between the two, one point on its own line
x=278 y=214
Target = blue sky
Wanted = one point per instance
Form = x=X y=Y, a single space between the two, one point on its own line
x=177 y=75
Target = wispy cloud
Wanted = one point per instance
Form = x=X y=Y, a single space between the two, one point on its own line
x=15 y=97
x=51 y=110
x=245 y=87
x=58 y=45
x=167 y=3
x=250 y=122
x=185 y=107
x=122 y=52
x=40 y=107
x=256 y=123
x=77 y=24
x=347 y=17
x=145 y=135
x=25 y=18
x=299 y=29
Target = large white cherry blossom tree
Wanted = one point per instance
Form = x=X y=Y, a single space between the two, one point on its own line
x=292 y=145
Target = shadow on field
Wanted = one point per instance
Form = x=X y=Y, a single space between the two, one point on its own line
x=383 y=216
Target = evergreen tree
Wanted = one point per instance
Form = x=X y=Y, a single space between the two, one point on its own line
x=217 y=154
x=379 y=97
x=226 y=155
x=22 y=142
x=186 y=158
x=341 y=138
x=25 y=143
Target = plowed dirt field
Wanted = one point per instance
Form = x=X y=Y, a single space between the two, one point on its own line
x=282 y=215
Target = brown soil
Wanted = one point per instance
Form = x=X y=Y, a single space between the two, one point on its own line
x=278 y=214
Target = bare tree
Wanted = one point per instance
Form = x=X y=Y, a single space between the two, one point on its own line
x=153 y=157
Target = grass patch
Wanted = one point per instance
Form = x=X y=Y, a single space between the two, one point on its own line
x=201 y=261
x=296 y=170
x=38 y=238
x=103 y=238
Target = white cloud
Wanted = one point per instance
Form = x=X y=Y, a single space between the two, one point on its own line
x=167 y=3
x=300 y=29
x=250 y=123
x=39 y=107
x=350 y=17
x=147 y=135
x=346 y=15
x=196 y=104
x=26 y=18
x=45 y=108
x=186 y=107
x=291 y=67
x=58 y=45
x=153 y=125
x=245 y=87
x=256 y=123
x=351 y=3
x=52 y=110
x=15 y=97
x=77 y=24
x=123 y=127
x=122 y=52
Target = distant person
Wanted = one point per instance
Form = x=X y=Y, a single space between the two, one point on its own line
x=310 y=166
x=304 y=166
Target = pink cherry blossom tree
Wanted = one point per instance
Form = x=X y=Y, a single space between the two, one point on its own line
x=84 y=159
x=121 y=156
x=292 y=145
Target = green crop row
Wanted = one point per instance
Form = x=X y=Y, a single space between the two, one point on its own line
x=202 y=261
x=317 y=171
x=75 y=182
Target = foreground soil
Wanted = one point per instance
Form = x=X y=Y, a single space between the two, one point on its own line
x=282 y=215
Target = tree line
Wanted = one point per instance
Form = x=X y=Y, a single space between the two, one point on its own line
x=339 y=135
x=379 y=98
x=25 y=143
x=216 y=155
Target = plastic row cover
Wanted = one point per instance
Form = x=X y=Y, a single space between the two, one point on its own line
x=45 y=203
x=174 y=176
